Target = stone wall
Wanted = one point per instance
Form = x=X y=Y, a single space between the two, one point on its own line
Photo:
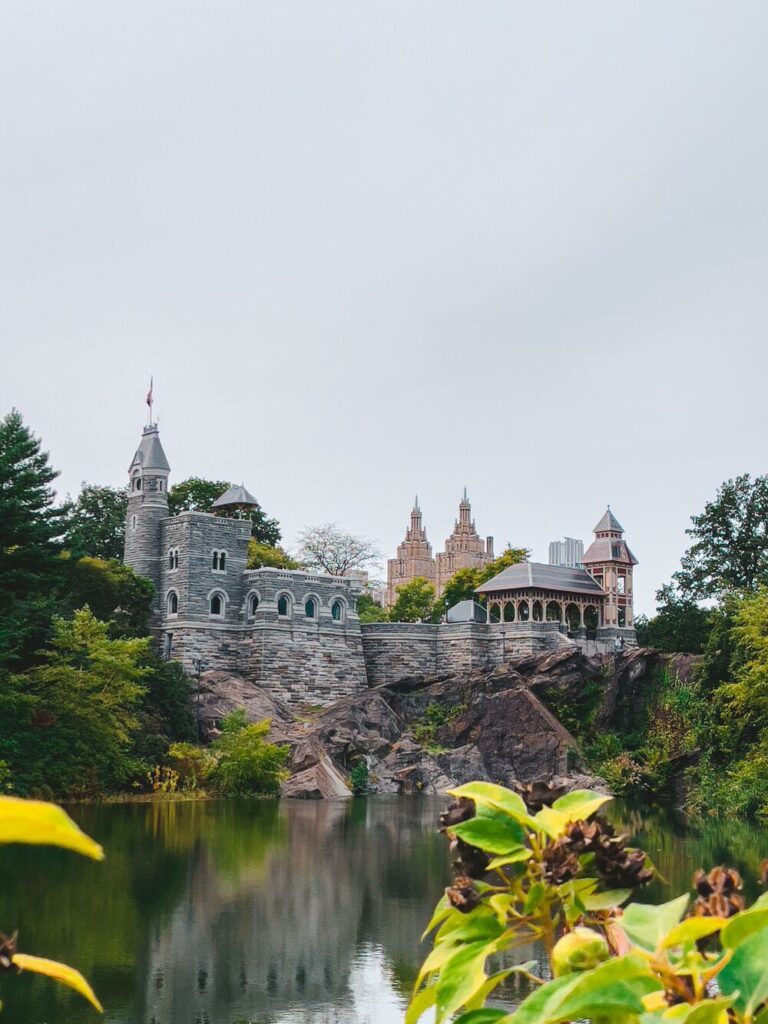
x=399 y=650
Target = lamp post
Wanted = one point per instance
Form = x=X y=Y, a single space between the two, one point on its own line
x=199 y=666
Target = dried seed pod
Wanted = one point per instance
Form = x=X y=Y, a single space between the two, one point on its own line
x=469 y=860
x=462 y=894
x=460 y=810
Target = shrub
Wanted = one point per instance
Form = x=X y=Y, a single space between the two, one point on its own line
x=358 y=779
x=559 y=876
x=243 y=761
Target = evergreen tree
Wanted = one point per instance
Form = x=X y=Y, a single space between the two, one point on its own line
x=30 y=529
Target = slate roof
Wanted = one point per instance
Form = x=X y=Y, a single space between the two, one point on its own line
x=237 y=495
x=608 y=549
x=150 y=454
x=537 y=576
x=467 y=611
x=609 y=522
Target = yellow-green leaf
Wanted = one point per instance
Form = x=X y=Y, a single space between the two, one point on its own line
x=420 y=1003
x=513 y=857
x=692 y=929
x=580 y=804
x=647 y=926
x=606 y=900
x=488 y=794
x=550 y=821
x=742 y=926
x=59 y=972
x=42 y=824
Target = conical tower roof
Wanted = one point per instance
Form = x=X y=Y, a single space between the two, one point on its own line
x=150 y=455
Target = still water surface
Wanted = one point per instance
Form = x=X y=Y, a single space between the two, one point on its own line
x=256 y=912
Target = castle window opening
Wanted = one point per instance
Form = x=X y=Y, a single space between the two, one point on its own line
x=173 y=559
x=573 y=617
x=253 y=604
x=173 y=603
x=337 y=611
x=133 y=523
x=538 y=611
x=622 y=617
x=310 y=608
x=222 y=561
x=524 y=612
x=283 y=606
x=509 y=612
x=621 y=585
x=217 y=605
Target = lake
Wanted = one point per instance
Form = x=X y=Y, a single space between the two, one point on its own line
x=266 y=912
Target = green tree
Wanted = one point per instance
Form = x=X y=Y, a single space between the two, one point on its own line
x=95 y=522
x=370 y=610
x=461 y=587
x=30 y=531
x=245 y=762
x=680 y=624
x=416 y=603
x=112 y=590
x=198 y=495
x=730 y=549
x=273 y=556
x=67 y=725
x=165 y=711
x=463 y=584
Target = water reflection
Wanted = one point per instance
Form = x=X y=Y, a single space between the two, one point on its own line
x=276 y=913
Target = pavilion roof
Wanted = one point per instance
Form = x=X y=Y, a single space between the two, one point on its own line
x=537 y=576
x=237 y=495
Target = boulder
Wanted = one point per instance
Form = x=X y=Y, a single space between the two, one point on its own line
x=321 y=781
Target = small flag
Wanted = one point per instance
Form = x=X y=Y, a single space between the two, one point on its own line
x=149 y=393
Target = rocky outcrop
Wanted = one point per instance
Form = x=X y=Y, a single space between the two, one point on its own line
x=492 y=724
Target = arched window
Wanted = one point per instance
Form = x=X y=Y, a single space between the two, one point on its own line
x=283 y=606
x=217 y=604
x=509 y=611
x=253 y=604
x=173 y=559
x=337 y=611
x=137 y=483
x=215 y=561
x=133 y=522
x=172 y=603
x=310 y=608
x=223 y=561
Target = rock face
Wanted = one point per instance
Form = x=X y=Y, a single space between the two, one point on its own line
x=429 y=735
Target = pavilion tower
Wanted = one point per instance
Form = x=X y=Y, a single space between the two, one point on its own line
x=464 y=549
x=414 y=557
x=609 y=560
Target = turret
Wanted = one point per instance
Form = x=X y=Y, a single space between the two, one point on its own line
x=610 y=561
x=147 y=506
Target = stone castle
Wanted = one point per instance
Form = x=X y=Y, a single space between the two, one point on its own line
x=298 y=633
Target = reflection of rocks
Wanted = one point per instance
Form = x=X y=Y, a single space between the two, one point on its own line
x=500 y=731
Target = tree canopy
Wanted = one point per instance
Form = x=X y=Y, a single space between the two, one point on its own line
x=463 y=584
x=730 y=541
x=328 y=548
x=416 y=603
x=95 y=522
x=680 y=624
x=264 y=554
x=198 y=495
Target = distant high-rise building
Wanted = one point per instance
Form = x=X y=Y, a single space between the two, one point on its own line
x=568 y=552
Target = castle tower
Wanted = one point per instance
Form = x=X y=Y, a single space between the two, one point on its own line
x=414 y=557
x=147 y=506
x=464 y=549
x=609 y=560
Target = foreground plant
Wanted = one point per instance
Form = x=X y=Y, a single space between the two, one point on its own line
x=36 y=823
x=560 y=876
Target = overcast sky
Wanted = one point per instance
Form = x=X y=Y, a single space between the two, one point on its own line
x=369 y=249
